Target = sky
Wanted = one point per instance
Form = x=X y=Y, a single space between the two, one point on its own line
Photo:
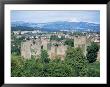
x=92 y=16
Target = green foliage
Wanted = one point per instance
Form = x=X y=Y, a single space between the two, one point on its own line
x=54 y=37
x=69 y=42
x=16 y=65
x=16 y=43
x=74 y=65
x=94 y=69
x=92 y=52
x=32 y=68
x=44 y=56
x=76 y=58
x=58 y=68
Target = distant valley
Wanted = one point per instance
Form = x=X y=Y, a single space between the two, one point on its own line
x=56 y=26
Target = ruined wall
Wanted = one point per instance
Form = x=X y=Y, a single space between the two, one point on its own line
x=52 y=53
x=80 y=41
x=98 y=56
x=25 y=49
x=57 y=51
x=44 y=43
x=61 y=51
x=33 y=47
x=30 y=48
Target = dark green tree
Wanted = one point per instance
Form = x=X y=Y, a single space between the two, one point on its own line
x=58 y=68
x=55 y=37
x=44 y=56
x=77 y=60
x=16 y=43
x=94 y=69
x=16 y=65
x=69 y=42
x=92 y=52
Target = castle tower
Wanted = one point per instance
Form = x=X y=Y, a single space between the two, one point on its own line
x=52 y=53
x=45 y=42
x=31 y=48
x=35 y=48
x=80 y=41
x=61 y=51
x=25 y=50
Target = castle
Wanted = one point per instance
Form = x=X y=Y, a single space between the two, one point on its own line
x=33 y=47
x=54 y=48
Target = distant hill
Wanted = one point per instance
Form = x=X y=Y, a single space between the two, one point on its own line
x=56 y=26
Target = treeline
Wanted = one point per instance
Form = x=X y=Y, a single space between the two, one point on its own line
x=22 y=28
x=75 y=64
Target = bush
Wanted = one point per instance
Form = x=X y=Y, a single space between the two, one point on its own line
x=92 y=52
x=94 y=69
x=76 y=59
x=16 y=66
x=44 y=56
x=69 y=42
x=74 y=65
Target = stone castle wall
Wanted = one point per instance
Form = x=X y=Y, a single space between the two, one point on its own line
x=33 y=47
x=81 y=41
x=57 y=52
x=25 y=50
x=30 y=48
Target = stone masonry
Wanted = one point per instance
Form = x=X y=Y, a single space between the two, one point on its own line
x=33 y=47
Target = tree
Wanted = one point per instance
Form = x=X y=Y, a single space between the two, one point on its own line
x=16 y=65
x=16 y=44
x=69 y=42
x=44 y=56
x=77 y=60
x=94 y=69
x=74 y=65
x=55 y=37
x=58 y=68
x=92 y=52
